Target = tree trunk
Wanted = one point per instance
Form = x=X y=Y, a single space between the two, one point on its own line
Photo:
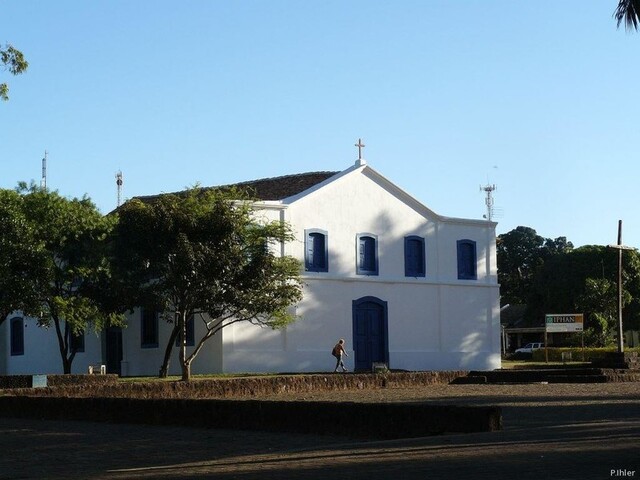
x=186 y=371
x=164 y=368
x=184 y=362
x=63 y=344
x=66 y=365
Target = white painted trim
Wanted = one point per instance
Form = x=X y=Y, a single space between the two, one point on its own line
x=323 y=277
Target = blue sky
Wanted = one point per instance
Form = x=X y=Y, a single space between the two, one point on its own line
x=539 y=98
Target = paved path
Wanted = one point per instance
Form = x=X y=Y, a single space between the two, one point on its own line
x=551 y=432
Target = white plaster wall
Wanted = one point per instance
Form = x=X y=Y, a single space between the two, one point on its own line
x=139 y=361
x=41 y=351
x=418 y=340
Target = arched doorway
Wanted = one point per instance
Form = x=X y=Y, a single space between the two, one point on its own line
x=370 y=332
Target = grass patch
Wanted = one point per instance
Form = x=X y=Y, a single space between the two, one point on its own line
x=209 y=376
x=516 y=364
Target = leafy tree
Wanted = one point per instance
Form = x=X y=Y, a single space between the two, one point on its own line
x=71 y=236
x=600 y=300
x=521 y=252
x=204 y=254
x=13 y=60
x=21 y=258
x=555 y=246
x=585 y=280
x=628 y=12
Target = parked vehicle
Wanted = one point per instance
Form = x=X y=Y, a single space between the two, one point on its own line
x=530 y=347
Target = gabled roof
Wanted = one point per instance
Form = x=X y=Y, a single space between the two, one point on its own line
x=269 y=189
x=279 y=188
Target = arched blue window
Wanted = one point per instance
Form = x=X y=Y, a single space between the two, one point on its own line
x=316 y=256
x=17 y=336
x=467 y=263
x=367 y=254
x=414 y=256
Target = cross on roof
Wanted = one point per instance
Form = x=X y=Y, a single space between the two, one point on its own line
x=360 y=146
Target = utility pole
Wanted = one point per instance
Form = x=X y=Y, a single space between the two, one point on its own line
x=620 y=247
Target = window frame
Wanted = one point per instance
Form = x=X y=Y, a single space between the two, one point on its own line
x=310 y=265
x=421 y=269
x=191 y=336
x=76 y=342
x=16 y=350
x=360 y=269
x=144 y=335
x=463 y=273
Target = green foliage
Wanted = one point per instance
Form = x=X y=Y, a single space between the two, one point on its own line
x=205 y=252
x=68 y=239
x=600 y=299
x=13 y=60
x=550 y=276
x=590 y=353
x=22 y=260
x=628 y=12
x=584 y=280
x=521 y=252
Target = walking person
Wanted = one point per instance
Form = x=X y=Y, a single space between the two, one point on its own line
x=338 y=351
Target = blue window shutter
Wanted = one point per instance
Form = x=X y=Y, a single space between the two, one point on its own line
x=414 y=265
x=367 y=260
x=316 y=251
x=17 y=336
x=149 y=329
x=370 y=254
x=467 y=260
x=310 y=251
x=362 y=262
x=190 y=333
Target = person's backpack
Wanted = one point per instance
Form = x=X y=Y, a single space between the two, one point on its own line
x=335 y=352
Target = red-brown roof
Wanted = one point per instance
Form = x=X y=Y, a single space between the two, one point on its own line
x=275 y=188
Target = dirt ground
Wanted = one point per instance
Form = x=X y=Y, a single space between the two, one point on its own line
x=554 y=431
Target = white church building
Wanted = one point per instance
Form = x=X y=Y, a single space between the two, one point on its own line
x=401 y=284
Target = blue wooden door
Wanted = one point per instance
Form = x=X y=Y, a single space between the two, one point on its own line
x=114 y=349
x=369 y=332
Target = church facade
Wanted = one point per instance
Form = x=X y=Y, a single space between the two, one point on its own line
x=402 y=285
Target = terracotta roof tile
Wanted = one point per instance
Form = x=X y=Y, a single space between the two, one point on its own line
x=275 y=188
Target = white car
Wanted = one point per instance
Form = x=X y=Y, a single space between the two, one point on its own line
x=530 y=347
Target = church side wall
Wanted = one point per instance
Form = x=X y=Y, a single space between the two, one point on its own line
x=41 y=351
x=146 y=361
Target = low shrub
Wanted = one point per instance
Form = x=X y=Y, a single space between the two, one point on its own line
x=578 y=354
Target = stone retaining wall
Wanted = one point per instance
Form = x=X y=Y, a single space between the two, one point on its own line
x=247 y=386
x=360 y=420
x=26 y=381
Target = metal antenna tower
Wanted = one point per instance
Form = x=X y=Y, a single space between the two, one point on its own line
x=43 y=181
x=489 y=189
x=119 y=184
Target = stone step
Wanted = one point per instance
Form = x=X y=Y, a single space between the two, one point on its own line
x=569 y=375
